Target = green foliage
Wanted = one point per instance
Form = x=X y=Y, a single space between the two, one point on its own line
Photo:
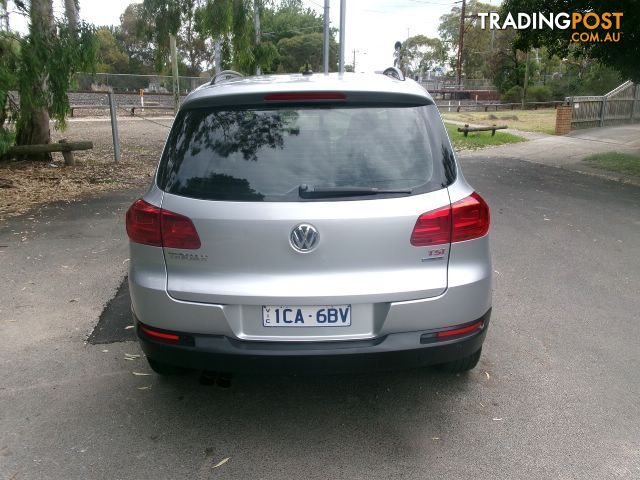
x=622 y=56
x=232 y=20
x=477 y=42
x=110 y=58
x=420 y=54
x=513 y=95
x=158 y=20
x=40 y=66
x=586 y=77
x=539 y=93
x=46 y=67
x=296 y=52
x=7 y=139
x=9 y=54
x=131 y=39
x=288 y=20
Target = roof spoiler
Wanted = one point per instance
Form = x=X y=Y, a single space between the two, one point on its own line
x=225 y=75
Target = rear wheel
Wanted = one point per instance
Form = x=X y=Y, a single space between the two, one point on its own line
x=165 y=369
x=461 y=365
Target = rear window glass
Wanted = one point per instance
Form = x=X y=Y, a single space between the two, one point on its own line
x=254 y=154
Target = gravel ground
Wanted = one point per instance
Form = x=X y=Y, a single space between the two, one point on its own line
x=28 y=184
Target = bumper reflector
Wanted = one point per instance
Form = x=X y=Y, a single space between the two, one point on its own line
x=165 y=337
x=460 y=331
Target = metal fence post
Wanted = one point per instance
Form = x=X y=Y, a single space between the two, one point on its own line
x=174 y=69
x=114 y=126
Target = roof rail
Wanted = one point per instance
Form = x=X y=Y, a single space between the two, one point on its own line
x=225 y=75
x=393 y=72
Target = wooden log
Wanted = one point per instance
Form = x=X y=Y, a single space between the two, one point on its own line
x=466 y=129
x=49 y=147
x=69 y=160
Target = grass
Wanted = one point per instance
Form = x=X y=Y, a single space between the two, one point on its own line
x=478 y=140
x=527 y=120
x=624 y=163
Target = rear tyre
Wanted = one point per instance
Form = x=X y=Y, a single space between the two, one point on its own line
x=461 y=365
x=165 y=369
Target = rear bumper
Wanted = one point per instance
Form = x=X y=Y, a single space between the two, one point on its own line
x=393 y=351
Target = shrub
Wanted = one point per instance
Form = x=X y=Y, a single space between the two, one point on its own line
x=513 y=95
x=539 y=94
x=7 y=139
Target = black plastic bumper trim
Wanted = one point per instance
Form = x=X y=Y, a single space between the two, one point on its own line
x=394 y=351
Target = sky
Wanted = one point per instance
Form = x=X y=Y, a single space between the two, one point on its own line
x=372 y=26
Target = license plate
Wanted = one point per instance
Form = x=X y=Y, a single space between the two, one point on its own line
x=306 y=316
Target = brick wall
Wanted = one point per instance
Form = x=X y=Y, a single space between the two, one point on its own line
x=563 y=119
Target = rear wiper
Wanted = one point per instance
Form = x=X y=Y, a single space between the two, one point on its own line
x=309 y=191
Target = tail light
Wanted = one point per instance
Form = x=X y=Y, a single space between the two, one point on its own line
x=470 y=218
x=466 y=219
x=150 y=225
x=304 y=96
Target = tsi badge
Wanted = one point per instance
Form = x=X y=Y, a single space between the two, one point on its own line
x=435 y=254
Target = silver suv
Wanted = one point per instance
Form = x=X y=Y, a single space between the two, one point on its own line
x=309 y=222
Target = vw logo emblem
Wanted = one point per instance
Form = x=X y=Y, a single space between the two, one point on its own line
x=304 y=238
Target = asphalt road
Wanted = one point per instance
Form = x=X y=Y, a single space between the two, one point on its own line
x=555 y=395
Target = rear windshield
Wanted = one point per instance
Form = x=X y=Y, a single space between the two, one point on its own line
x=258 y=154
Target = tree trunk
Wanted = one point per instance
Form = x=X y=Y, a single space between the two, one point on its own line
x=33 y=127
x=5 y=15
x=71 y=12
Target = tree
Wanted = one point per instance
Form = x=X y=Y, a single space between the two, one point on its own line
x=33 y=123
x=9 y=53
x=138 y=48
x=158 y=19
x=477 y=41
x=191 y=44
x=621 y=56
x=288 y=19
x=45 y=61
x=110 y=58
x=296 y=52
x=71 y=12
x=420 y=54
x=232 y=22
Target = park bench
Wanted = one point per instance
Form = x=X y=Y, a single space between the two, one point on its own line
x=87 y=107
x=466 y=129
x=133 y=108
x=130 y=108
x=67 y=149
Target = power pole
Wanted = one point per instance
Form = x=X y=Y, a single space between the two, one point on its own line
x=354 y=59
x=256 y=19
x=343 y=14
x=326 y=36
x=174 y=68
x=526 y=78
x=217 y=55
x=461 y=42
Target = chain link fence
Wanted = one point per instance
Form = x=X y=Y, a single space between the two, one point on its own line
x=126 y=83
